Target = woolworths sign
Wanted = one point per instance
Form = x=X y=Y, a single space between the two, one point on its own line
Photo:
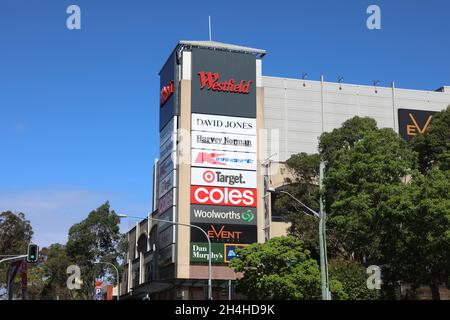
x=224 y=215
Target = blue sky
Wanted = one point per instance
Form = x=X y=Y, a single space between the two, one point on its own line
x=79 y=109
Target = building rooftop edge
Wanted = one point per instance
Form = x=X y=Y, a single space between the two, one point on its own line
x=442 y=89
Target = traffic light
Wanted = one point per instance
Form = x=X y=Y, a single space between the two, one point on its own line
x=33 y=253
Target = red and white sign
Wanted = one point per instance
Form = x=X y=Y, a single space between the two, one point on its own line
x=223 y=196
x=165 y=93
x=223 y=178
x=224 y=159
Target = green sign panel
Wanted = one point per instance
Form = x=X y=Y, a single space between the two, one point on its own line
x=199 y=252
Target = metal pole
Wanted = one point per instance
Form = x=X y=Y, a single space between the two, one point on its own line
x=117 y=273
x=393 y=107
x=207 y=238
x=326 y=294
x=322 y=239
x=209 y=28
x=19 y=257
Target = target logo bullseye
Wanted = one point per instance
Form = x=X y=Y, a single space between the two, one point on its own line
x=209 y=176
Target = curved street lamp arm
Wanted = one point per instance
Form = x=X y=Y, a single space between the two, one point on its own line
x=314 y=213
x=117 y=273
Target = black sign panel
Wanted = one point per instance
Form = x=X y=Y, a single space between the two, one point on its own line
x=413 y=122
x=223 y=83
x=225 y=233
x=168 y=88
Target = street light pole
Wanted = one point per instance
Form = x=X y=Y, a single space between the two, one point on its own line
x=322 y=238
x=192 y=226
x=117 y=273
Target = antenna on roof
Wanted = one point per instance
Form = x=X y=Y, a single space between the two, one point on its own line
x=209 y=24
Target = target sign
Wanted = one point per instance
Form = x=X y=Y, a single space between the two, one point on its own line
x=223 y=178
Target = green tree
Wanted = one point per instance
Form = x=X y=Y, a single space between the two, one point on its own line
x=433 y=146
x=278 y=269
x=354 y=183
x=48 y=280
x=96 y=238
x=423 y=223
x=303 y=185
x=15 y=235
x=353 y=278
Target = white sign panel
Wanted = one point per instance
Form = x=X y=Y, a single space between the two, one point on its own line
x=224 y=124
x=223 y=141
x=224 y=159
x=166 y=184
x=223 y=178
x=166 y=201
x=166 y=148
x=166 y=132
x=166 y=166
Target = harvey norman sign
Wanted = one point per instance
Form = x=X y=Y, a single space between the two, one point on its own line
x=224 y=142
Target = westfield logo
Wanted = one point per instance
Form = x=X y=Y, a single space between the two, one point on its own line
x=165 y=94
x=211 y=81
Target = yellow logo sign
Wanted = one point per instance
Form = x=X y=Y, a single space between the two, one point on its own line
x=413 y=129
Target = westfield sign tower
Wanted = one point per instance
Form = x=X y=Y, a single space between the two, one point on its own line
x=210 y=96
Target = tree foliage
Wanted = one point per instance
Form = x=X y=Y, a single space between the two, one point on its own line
x=15 y=235
x=353 y=278
x=433 y=146
x=354 y=185
x=380 y=209
x=279 y=269
x=95 y=239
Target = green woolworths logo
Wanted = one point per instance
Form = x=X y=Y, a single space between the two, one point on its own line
x=248 y=216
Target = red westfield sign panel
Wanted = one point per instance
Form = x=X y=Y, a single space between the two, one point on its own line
x=223 y=196
x=165 y=93
x=211 y=81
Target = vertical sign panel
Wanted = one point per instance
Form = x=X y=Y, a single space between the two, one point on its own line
x=223 y=155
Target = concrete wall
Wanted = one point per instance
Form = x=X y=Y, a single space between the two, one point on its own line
x=294 y=108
